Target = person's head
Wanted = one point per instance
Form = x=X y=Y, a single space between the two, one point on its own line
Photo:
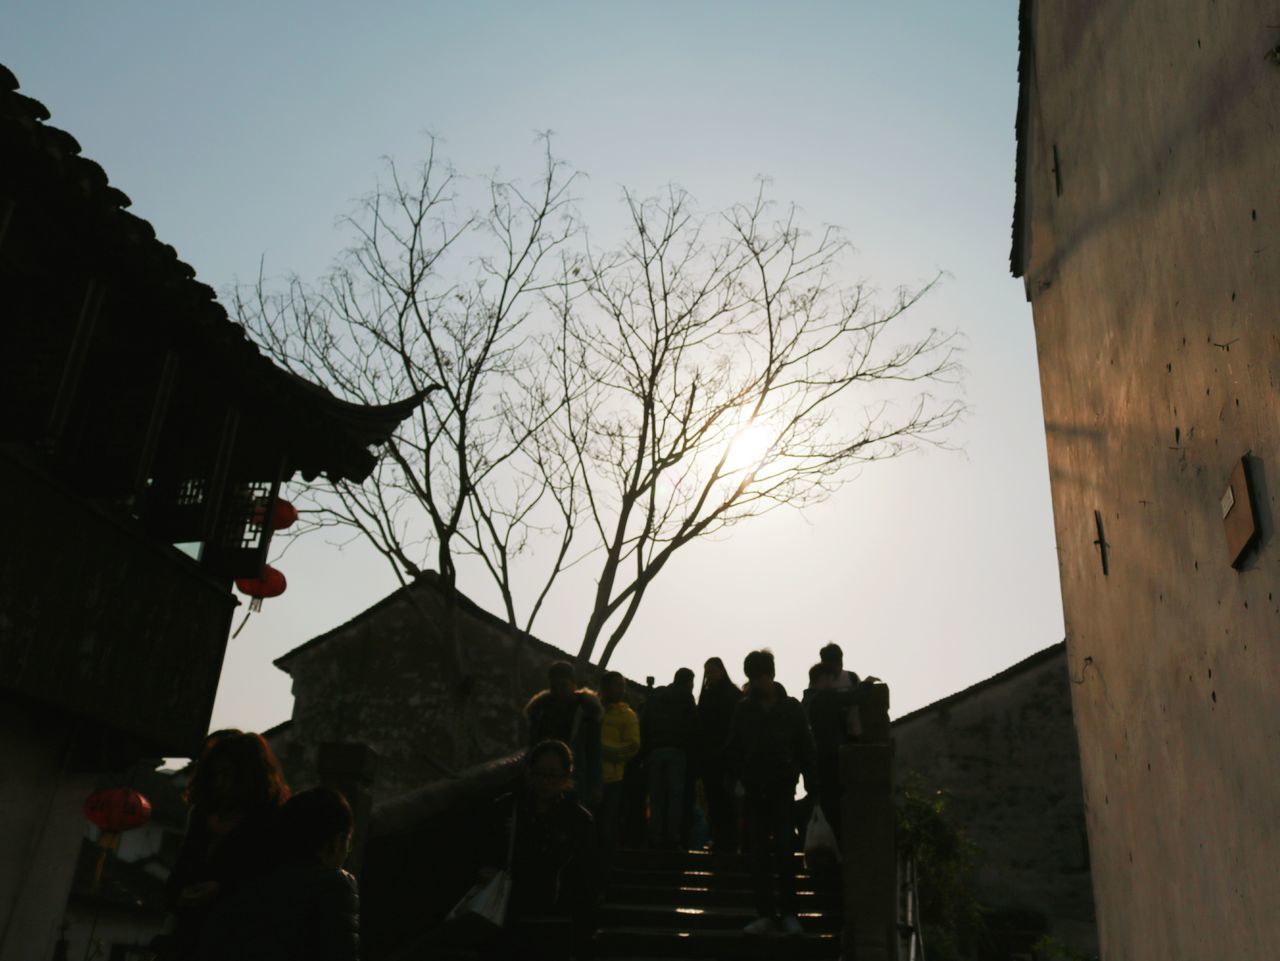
x=713 y=671
x=238 y=773
x=549 y=770
x=560 y=679
x=684 y=680
x=758 y=666
x=831 y=654
x=822 y=676
x=613 y=687
x=315 y=826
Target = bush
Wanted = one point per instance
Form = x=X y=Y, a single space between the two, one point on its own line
x=946 y=865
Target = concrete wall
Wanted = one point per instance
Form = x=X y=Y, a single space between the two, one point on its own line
x=1153 y=267
x=386 y=679
x=1005 y=751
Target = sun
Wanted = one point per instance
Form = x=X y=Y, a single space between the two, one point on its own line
x=748 y=448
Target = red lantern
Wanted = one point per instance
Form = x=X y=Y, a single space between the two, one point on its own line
x=117 y=809
x=284 y=515
x=114 y=810
x=270 y=584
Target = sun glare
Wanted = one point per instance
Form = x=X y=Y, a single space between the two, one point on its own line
x=748 y=448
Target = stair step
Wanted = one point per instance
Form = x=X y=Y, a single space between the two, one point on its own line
x=689 y=860
x=731 y=880
x=622 y=942
x=701 y=894
x=729 y=919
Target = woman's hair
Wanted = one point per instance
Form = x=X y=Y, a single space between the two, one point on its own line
x=310 y=820
x=552 y=746
x=255 y=773
x=718 y=663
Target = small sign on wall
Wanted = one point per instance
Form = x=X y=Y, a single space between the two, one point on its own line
x=1238 y=516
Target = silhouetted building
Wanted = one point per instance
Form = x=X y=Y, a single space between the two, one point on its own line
x=1147 y=233
x=1004 y=751
x=428 y=699
x=134 y=416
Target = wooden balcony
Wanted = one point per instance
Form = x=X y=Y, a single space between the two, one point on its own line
x=100 y=620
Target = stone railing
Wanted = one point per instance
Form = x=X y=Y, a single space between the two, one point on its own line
x=870 y=855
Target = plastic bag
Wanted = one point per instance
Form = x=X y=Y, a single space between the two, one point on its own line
x=486 y=902
x=821 y=849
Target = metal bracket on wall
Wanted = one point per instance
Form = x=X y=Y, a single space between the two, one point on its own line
x=1101 y=543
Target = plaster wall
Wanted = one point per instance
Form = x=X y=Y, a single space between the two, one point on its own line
x=1152 y=178
x=1005 y=753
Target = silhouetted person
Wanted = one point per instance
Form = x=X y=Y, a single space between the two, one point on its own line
x=769 y=748
x=716 y=701
x=554 y=869
x=235 y=794
x=827 y=708
x=669 y=732
x=572 y=714
x=619 y=743
x=833 y=657
x=307 y=908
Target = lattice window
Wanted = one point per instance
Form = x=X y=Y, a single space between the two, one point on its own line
x=246 y=515
x=191 y=492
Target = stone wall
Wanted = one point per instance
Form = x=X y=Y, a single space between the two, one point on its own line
x=386 y=679
x=1150 y=248
x=1005 y=751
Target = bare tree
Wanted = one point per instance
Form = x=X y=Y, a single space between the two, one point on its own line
x=428 y=297
x=611 y=406
x=715 y=369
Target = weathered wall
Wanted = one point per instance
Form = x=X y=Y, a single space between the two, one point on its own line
x=385 y=679
x=1153 y=266
x=41 y=808
x=1005 y=751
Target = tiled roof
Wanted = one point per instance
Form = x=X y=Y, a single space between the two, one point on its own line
x=1017 y=252
x=427 y=580
x=332 y=436
x=1026 y=664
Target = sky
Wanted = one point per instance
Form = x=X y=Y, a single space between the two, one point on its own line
x=242 y=131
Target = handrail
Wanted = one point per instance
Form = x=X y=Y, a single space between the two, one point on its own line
x=479 y=783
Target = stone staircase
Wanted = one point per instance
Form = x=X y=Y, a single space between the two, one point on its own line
x=694 y=905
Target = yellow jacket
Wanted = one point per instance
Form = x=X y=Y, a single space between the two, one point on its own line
x=619 y=740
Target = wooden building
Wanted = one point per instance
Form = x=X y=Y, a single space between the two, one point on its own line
x=134 y=416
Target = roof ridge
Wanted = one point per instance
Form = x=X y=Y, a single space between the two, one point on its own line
x=1031 y=660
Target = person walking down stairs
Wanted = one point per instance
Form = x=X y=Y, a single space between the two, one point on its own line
x=619 y=743
x=572 y=714
x=770 y=747
x=669 y=731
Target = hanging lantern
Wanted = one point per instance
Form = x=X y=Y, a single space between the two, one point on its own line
x=283 y=515
x=270 y=584
x=114 y=810
x=117 y=809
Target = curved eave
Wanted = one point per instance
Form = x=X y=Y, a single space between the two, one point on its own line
x=328 y=435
